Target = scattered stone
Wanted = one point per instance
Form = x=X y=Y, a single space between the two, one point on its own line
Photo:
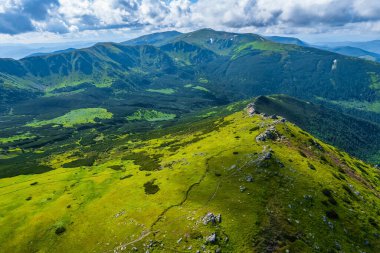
x=269 y=134
x=242 y=188
x=60 y=230
x=190 y=247
x=251 y=109
x=317 y=145
x=329 y=223
x=218 y=250
x=179 y=240
x=211 y=218
x=135 y=249
x=274 y=117
x=211 y=239
x=120 y=213
x=249 y=178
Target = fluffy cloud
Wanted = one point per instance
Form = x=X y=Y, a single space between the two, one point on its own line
x=281 y=16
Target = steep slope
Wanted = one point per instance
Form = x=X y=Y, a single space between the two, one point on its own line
x=357 y=137
x=219 y=181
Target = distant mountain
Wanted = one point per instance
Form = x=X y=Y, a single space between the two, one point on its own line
x=287 y=40
x=371 y=46
x=54 y=52
x=196 y=69
x=18 y=51
x=153 y=39
x=353 y=51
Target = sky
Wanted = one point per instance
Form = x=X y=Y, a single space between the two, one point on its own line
x=44 y=21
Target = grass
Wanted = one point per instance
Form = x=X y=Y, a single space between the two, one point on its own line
x=266 y=46
x=203 y=80
x=197 y=87
x=75 y=117
x=167 y=91
x=14 y=138
x=90 y=208
x=151 y=115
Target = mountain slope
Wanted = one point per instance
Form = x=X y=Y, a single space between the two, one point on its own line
x=287 y=40
x=357 y=137
x=212 y=66
x=153 y=39
x=163 y=191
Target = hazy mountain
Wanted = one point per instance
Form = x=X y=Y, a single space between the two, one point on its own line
x=18 y=51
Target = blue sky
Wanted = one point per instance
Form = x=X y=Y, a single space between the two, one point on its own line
x=30 y=21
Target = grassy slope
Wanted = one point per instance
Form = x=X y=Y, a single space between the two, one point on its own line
x=358 y=137
x=198 y=167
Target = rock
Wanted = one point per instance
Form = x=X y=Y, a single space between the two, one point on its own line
x=283 y=120
x=190 y=248
x=274 y=117
x=218 y=250
x=251 y=109
x=249 y=178
x=135 y=249
x=179 y=240
x=60 y=230
x=211 y=239
x=210 y=217
x=269 y=134
x=242 y=188
x=338 y=246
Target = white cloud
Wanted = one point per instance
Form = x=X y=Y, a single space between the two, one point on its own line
x=274 y=16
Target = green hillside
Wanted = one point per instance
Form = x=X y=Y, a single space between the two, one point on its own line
x=219 y=180
x=358 y=137
x=235 y=66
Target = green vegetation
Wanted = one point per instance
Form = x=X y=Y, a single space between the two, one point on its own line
x=354 y=135
x=14 y=138
x=167 y=91
x=203 y=80
x=137 y=178
x=375 y=78
x=75 y=117
x=147 y=191
x=200 y=88
x=196 y=87
x=151 y=115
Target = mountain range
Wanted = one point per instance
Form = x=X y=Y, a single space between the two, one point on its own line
x=207 y=141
